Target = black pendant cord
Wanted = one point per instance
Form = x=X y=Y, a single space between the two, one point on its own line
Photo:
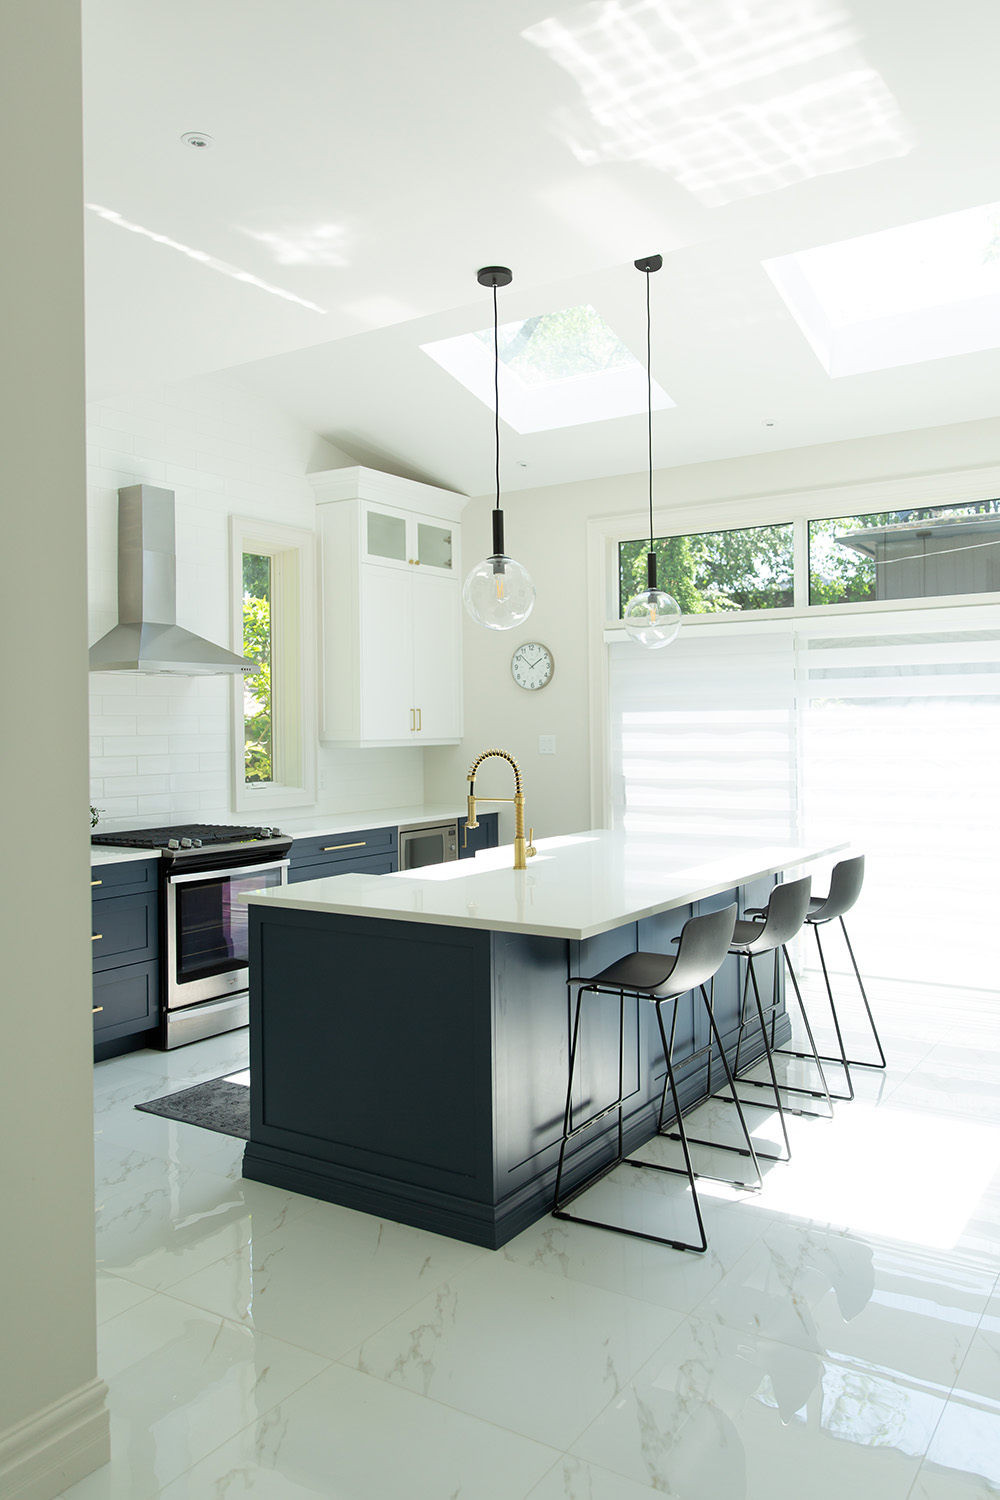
x=649 y=406
x=497 y=512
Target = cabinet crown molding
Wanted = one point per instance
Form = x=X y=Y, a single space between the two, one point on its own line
x=387 y=489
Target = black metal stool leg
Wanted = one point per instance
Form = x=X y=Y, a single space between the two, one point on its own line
x=871 y=1019
x=559 y=1207
x=813 y=1056
x=750 y=1151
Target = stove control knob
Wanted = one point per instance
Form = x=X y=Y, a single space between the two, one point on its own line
x=172 y=844
x=196 y=843
x=186 y=844
x=275 y=833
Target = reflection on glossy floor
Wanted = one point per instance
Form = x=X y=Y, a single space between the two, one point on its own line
x=841 y=1336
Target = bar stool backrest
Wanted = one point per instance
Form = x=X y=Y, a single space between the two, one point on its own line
x=786 y=911
x=845 y=887
x=703 y=945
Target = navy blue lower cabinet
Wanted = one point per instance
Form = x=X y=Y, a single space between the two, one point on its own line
x=418 y=1072
x=371 y=851
x=125 y=955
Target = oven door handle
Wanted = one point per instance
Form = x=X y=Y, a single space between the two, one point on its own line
x=233 y=871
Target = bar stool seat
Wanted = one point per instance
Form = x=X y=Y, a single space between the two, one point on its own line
x=661 y=978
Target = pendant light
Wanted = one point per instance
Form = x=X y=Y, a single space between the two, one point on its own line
x=498 y=593
x=653 y=617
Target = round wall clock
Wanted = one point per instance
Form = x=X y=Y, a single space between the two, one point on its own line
x=532 y=666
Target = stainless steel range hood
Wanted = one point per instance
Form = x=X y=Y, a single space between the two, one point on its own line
x=147 y=637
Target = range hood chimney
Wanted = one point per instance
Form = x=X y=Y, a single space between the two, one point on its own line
x=147 y=637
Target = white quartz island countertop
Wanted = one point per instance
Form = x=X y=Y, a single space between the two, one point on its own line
x=576 y=886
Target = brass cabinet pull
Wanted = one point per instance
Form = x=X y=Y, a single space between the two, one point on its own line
x=96 y=1008
x=330 y=847
x=413 y=719
x=420 y=719
x=95 y=936
x=97 y=882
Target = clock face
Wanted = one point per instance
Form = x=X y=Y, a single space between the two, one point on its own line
x=532 y=665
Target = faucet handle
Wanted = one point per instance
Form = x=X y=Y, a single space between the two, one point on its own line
x=530 y=850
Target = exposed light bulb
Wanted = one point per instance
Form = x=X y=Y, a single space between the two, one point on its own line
x=499 y=593
x=653 y=618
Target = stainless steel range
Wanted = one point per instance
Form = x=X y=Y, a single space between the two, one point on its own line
x=204 y=869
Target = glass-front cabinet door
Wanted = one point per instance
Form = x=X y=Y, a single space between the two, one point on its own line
x=395 y=539
x=434 y=549
x=384 y=537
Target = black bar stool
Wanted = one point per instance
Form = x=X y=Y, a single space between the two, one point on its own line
x=782 y=919
x=661 y=978
x=845 y=887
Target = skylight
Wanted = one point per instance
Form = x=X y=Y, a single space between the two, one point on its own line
x=919 y=292
x=559 y=369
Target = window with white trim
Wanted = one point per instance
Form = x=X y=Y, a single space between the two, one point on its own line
x=274 y=730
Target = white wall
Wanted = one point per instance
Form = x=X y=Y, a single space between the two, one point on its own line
x=160 y=746
x=546 y=531
x=53 y=1426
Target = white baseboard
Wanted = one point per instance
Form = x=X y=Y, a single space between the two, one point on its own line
x=46 y=1453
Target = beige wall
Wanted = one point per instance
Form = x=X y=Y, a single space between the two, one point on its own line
x=53 y=1428
x=546 y=529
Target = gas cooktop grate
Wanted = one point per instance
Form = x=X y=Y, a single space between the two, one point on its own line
x=160 y=838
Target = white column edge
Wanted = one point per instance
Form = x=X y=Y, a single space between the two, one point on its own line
x=49 y=1451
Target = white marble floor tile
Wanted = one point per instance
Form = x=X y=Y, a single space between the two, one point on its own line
x=160 y=1235
x=718 y=1414
x=967 y=1441
x=639 y=1268
x=117 y=1167
x=327 y=1278
x=901 y=1312
x=573 y=1478
x=115 y=1295
x=533 y=1353
x=933 y=1483
x=180 y=1382
x=155 y=1135
x=345 y=1436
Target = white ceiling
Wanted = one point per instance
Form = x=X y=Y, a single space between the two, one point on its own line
x=368 y=158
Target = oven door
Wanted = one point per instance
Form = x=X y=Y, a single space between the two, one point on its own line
x=431 y=845
x=207 y=929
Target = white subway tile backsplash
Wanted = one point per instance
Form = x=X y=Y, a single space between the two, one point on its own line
x=113 y=765
x=110 y=725
x=162 y=804
x=138 y=744
x=123 y=786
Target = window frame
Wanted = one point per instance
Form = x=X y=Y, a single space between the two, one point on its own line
x=294 y=732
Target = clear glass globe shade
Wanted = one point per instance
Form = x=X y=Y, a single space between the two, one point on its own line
x=653 y=618
x=499 y=593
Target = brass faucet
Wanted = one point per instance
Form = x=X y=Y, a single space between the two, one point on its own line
x=523 y=850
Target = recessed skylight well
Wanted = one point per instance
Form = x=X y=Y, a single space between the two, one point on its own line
x=558 y=369
x=918 y=292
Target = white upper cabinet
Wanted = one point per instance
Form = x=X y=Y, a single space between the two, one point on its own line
x=390 y=586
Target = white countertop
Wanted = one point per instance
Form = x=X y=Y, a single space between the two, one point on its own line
x=322 y=824
x=577 y=886
x=107 y=855
x=319 y=825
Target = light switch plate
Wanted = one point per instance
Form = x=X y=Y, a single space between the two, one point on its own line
x=546 y=744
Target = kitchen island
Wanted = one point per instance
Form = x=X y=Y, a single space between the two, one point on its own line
x=409 y=1033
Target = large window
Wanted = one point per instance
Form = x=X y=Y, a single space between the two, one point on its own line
x=713 y=571
x=274 y=730
x=915 y=551
x=918 y=552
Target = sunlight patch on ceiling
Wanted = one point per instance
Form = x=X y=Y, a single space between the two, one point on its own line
x=201 y=256
x=732 y=98
x=918 y=292
x=320 y=246
x=559 y=369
